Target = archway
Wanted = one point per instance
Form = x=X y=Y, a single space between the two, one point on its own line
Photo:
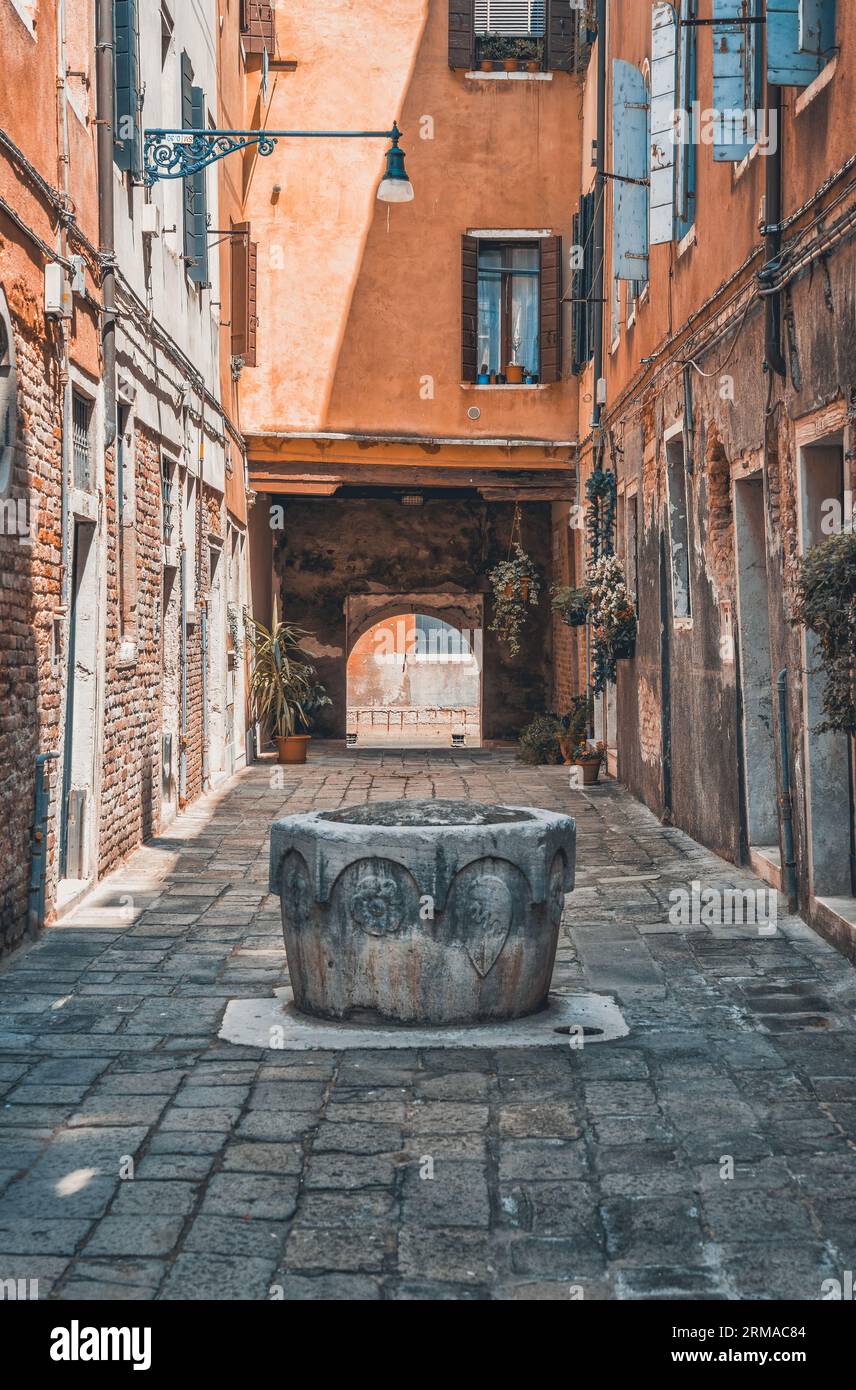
x=414 y=680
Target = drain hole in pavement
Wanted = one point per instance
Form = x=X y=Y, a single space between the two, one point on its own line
x=575 y=1028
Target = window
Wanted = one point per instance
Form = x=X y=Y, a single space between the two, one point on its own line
x=127 y=91
x=630 y=165
x=631 y=543
x=258 y=26
x=737 y=77
x=548 y=31
x=678 y=526
x=800 y=40
x=167 y=509
x=195 y=188
x=512 y=307
x=167 y=26
x=583 y=311
x=81 y=442
x=244 y=294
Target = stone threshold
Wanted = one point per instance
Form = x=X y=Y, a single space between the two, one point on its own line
x=275 y=1024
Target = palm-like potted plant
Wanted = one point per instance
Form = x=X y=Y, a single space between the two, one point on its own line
x=284 y=690
x=515 y=585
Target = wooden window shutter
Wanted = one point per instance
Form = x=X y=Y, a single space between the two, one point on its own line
x=800 y=40
x=469 y=307
x=126 y=78
x=257 y=26
x=187 y=184
x=551 y=309
x=244 y=294
x=733 y=80
x=196 y=200
x=462 y=30
x=562 y=21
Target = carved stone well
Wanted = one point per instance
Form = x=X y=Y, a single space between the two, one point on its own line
x=422 y=911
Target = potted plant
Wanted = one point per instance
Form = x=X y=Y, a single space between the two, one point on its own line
x=574 y=727
x=571 y=602
x=589 y=759
x=826 y=605
x=515 y=585
x=284 y=688
x=613 y=618
x=539 y=741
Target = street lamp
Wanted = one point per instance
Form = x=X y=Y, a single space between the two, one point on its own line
x=395 y=186
x=176 y=154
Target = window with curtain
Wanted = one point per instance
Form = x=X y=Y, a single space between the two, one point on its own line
x=508 y=305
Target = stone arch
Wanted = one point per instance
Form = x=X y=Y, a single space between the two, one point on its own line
x=414 y=675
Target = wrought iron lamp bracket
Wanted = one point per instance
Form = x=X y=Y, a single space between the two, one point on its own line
x=176 y=154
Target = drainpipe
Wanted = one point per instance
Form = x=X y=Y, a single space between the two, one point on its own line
x=39 y=856
x=203 y=618
x=104 y=122
x=600 y=207
x=785 y=795
x=182 y=736
x=774 y=360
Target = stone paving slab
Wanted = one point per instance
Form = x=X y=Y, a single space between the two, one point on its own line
x=709 y=1153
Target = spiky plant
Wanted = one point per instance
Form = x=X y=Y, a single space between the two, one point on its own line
x=284 y=689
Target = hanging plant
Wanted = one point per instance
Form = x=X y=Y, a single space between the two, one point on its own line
x=613 y=618
x=600 y=519
x=571 y=603
x=516 y=585
x=826 y=605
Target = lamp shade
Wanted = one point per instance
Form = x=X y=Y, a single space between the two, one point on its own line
x=395 y=186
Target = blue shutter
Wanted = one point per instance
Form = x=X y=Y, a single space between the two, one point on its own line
x=664 y=52
x=629 y=161
x=800 y=40
x=685 y=170
x=198 y=270
x=734 y=94
x=126 y=82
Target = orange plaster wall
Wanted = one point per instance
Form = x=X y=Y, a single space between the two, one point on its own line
x=360 y=302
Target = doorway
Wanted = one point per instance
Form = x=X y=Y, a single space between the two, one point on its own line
x=756 y=673
x=829 y=802
x=75 y=857
x=414 y=680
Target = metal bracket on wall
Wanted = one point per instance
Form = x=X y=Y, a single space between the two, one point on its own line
x=175 y=154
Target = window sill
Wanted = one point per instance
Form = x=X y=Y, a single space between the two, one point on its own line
x=509 y=386
x=476 y=76
x=631 y=319
x=83 y=505
x=823 y=79
x=688 y=242
x=740 y=169
x=614 y=345
x=682 y=624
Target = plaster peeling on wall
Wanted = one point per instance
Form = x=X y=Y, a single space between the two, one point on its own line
x=317 y=649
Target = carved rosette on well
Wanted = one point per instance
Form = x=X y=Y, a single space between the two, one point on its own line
x=422 y=912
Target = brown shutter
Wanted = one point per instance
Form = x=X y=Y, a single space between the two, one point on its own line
x=252 y=299
x=257 y=26
x=562 y=20
x=244 y=294
x=469 y=307
x=551 y=309
x=462 y=29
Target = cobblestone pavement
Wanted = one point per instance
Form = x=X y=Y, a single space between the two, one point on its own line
x=606 y=1169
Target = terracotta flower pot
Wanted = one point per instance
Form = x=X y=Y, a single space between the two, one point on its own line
x=590 y=768
x=510 y=64
x=508 y=591
x=293 y=748
x=486 y=65
x=514 y=373
x=533 y=65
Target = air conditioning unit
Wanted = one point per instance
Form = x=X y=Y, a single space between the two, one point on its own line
x=58 y=301
x=150 y=219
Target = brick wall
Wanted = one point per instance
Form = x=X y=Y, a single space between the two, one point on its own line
x=131 y=782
